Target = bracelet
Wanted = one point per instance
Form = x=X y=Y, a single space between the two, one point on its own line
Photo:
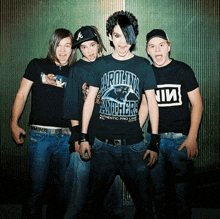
x=84 y=137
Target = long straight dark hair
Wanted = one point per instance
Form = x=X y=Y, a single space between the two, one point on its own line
x=55 y=39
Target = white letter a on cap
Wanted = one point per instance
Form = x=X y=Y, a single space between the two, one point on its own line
x=79 y=36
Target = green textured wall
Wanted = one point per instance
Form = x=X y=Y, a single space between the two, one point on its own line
x=192 y=27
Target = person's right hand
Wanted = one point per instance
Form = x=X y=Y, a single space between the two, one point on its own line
x=85 y=150
x=17 y=133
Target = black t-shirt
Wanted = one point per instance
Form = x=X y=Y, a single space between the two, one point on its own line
x=173 y=82
x=76 y=93
x=121 y=85
x=48 y=88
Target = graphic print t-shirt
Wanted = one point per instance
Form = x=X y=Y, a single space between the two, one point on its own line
x=173 y=83
x=47 y=93
x=121 y=85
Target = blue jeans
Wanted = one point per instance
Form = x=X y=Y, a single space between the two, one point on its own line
x=107 y=160
x=76 y=188
x=171 y=177
x=48 y=156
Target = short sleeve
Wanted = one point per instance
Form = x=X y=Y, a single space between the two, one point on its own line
x=72 y=102
x=149 y=77
x=31 y=70
x=189 y=78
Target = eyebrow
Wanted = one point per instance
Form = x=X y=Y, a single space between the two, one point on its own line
x=116 y=33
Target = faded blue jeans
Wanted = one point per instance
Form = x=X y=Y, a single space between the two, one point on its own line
x=107 y=160
x=171 y=177
x=48 y=156
x=77 y=185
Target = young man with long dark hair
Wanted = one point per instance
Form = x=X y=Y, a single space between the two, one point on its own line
x=48 y=147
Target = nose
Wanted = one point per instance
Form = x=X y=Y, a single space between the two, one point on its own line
x=123 y=40
x=62 y=48
x=157 y=48
x=89 y=49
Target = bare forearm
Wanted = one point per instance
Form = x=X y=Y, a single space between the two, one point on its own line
x=74 y=122
x=87 y=114
x=196 y=113
x=153 y=110
x=196 y=116
x=17 y=108
x=154 y=117
x=143 y=111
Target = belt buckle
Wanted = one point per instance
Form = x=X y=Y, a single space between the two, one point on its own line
x=117 y=142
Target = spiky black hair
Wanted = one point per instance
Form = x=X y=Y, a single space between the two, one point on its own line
x=128 y=23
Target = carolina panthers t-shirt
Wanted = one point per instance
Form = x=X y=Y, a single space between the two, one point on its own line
x=174 y=81
x=121 y=85
x=47 y=93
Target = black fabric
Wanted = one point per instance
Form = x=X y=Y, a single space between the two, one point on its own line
x=75 y=136
x=156 y=33
x=121 y=86
x=154 y=143
x=174 y=81
x=75 y=95
x=47 y=93
x=85 y=33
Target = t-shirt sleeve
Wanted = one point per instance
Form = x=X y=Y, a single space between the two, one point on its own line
x=31 y=70
x=189 y=78
x=72 y=102
x=149 y=77
x=94 y=76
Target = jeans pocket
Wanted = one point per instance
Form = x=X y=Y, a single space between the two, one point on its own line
x=139 y=147
x=97 y=144
x=36 y=137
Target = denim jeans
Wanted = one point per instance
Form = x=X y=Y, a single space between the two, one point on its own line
x=107 y=160
x=171 y=177
x=48 y=159
x=76 y=188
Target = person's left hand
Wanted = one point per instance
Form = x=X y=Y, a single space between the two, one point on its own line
x=153 y=157
x=191 y=146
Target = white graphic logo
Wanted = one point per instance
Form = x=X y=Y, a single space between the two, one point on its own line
x=169 y=95
x=79 y=36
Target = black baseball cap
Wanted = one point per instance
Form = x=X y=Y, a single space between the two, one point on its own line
x=156 y=33
x=85 y=33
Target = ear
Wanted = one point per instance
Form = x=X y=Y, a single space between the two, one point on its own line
x=147 y=49
x=169 y=47
x=110 y=37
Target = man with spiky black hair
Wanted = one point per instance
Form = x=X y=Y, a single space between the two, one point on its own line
x=88 y=40
x=120 y=78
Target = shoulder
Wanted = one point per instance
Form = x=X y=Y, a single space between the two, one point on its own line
x=35 y=61
x=181 y=65
x=103 y=59
x=141 y=59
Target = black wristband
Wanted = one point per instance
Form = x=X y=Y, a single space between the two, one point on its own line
x=75 y=136
x=75 y=128
x=84 y=137
x=154 y=143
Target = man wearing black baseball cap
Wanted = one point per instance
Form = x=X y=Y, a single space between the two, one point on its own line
x=178 y=128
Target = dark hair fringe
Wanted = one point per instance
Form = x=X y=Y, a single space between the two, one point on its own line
x=113 y=21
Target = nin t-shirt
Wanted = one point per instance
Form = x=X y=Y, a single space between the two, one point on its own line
x=121 y=84
x=47 y=94
x=174 y=81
